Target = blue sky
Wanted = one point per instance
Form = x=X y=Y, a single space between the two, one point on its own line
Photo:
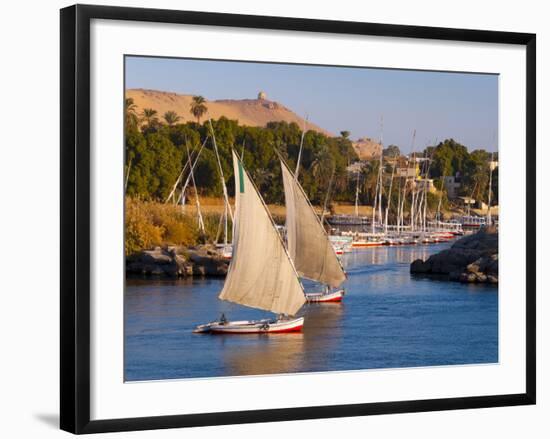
x=438 y=105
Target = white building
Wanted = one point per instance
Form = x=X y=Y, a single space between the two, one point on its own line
x=452 y=184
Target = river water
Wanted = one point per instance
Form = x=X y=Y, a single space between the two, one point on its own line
x=388 y=319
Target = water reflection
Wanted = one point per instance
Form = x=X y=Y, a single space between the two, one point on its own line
x=285 y=353
x=385 y=255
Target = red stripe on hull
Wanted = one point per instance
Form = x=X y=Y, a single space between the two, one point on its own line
x=281 y=331
x=275 y=331
x=332 y=298
x=335 y=299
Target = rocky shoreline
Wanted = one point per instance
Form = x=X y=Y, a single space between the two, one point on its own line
x=471 y=259
x=201 y=260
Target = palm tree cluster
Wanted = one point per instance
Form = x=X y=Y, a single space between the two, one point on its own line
x=149 y=116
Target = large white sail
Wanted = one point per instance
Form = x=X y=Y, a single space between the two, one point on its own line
x=308 y=243
x=261 y=274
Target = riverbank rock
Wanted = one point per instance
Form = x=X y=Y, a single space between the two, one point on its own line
x=202 y=260
x=472 y=259
x=206 y=261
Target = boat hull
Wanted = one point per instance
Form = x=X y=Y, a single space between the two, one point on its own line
x=265 y=326
x=333 y=297
x=365 y=244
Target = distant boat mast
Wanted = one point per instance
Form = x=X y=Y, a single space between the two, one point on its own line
x=388 y=205
x=489 y=219
x=181 y=174
x=381 y=171
x=300 y=150
x=227 y=206
x=357 y=196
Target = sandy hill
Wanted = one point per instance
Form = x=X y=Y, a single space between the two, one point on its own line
x=250 y=112
x=367 y=149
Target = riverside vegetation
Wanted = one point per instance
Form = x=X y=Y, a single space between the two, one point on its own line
x=157 y=148
x=156 y=151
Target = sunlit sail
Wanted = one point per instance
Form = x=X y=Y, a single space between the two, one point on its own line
x=308 y=243
x=261 y=273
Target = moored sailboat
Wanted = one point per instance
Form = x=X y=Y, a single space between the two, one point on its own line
x=261 y=273
x=308 y=243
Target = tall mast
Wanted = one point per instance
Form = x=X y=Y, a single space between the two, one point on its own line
x=421 y=215
x=357 y=196
x=440 y=199
x=413 y=193
x=425 y=195
x=225 y=225
x=413 y=185
x=403 y=198
x=327 y=196
x=308 y=244
x=300 y=150
x=127 y=176
x=188 y=179
x=398 y=210
x=380 y=189
x=199 y=214
x=180 y=176
x=490 y=191
x=426 y=183
x=375 y=201
x=224 y=187
x=381 y=171
x=389 y=196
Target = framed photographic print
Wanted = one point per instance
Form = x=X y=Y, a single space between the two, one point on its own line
x=267 y=218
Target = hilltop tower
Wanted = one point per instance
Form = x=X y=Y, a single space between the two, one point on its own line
x=262 y=96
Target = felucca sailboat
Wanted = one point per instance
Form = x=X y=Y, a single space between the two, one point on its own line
x=308 y=243
x=261 y=274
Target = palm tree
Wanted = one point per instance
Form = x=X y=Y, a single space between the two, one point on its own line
x=131 y=117
x=198 y=107
x=171 y=117
x=322 y=161
x=149 y=116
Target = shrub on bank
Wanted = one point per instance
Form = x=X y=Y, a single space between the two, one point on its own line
x=149 y=224
x=140 y=230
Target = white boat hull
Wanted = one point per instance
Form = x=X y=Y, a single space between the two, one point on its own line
x=334 y=296
x=265 y=326
x=364 y=244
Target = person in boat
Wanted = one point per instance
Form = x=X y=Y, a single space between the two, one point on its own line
x=223 y=319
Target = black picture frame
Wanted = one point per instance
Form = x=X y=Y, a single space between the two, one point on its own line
x=75 y=217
